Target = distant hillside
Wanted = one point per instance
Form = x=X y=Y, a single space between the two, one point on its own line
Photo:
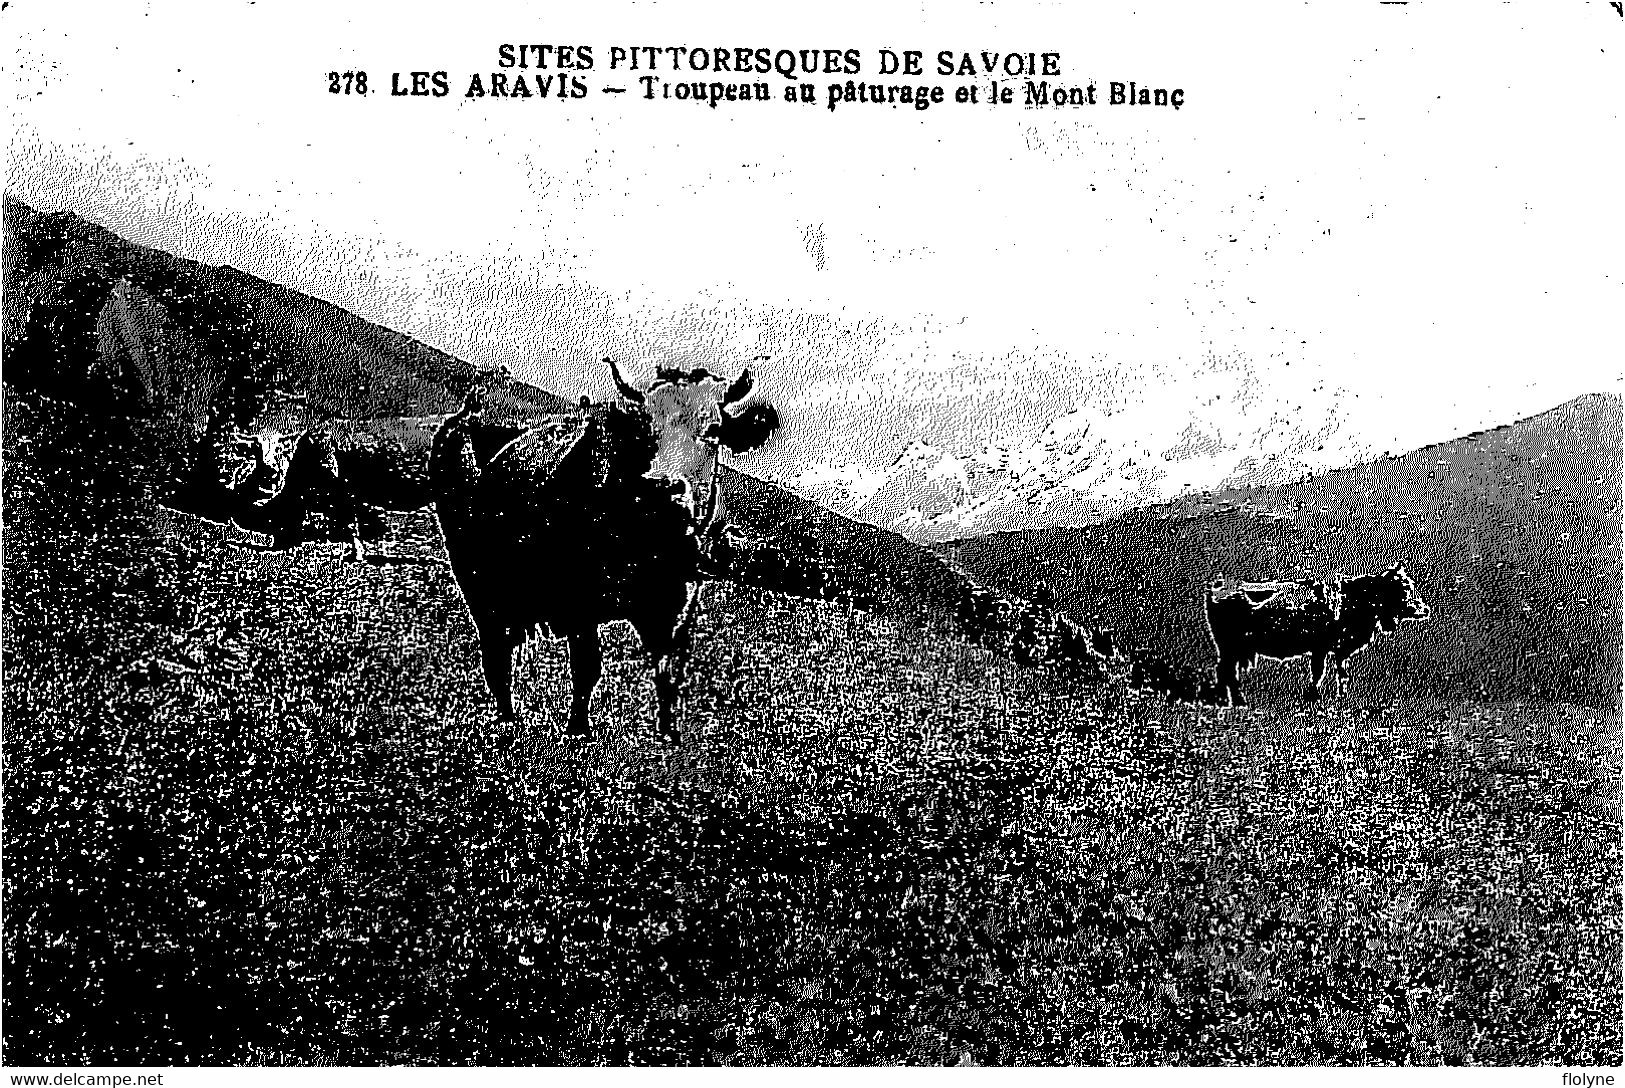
x=1512 y=534
x=90 y=316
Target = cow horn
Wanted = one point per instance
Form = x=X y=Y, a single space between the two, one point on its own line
x=742 y=385
x=626 y=390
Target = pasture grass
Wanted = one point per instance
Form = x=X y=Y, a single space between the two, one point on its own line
x=256 y=811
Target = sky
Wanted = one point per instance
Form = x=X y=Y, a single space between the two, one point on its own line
x=1369 y=227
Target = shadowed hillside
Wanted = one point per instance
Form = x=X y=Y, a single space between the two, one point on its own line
x=1512 y=535
x=91 y=317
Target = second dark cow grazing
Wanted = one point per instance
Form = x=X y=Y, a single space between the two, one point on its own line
x=577 y=520
x=1327 y=622
x=329 y=483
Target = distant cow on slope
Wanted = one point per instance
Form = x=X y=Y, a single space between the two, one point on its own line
x=1328 y=622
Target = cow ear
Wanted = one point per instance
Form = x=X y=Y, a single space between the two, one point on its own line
x=740 y=387
x=749 y=429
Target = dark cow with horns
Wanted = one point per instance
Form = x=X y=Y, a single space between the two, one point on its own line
x=573 y=521
x=1328 y=622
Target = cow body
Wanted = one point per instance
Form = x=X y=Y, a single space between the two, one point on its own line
x=1327 y=622
x=572 y=521
x=330 y=483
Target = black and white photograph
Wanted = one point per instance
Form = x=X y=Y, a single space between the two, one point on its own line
x=997 y=534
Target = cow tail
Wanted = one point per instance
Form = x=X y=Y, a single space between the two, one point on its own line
x=1210 y=599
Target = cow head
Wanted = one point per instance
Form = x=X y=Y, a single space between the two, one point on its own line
x=261 y=463
x=236 y=456
x=691 y=414
x=1400 y=599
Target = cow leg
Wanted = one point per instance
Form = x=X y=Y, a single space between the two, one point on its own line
x=667 y=642
x=668 y=694
x=586 y=666
x=350 y=515
x=683 y=634
x=358 y=547
x=1341 y=675
x=365 y=519
x=1228 y=676
x=668 y=662
x=1317 y=665
x=496 y=658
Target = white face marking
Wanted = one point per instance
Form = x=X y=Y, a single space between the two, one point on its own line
x=687 y=417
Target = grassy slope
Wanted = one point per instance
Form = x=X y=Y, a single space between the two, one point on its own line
x=1513 y=536
x=316 y=847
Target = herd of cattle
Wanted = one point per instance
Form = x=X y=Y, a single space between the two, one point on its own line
x=614 y=513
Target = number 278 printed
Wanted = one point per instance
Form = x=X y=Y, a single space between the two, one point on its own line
x=346 y=83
